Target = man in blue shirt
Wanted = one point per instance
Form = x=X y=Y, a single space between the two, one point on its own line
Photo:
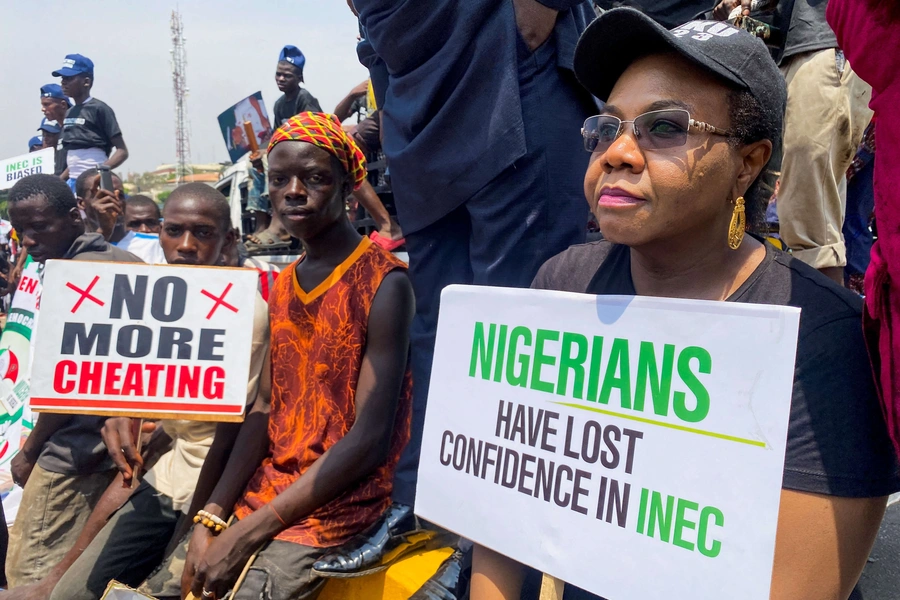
x=481 y=119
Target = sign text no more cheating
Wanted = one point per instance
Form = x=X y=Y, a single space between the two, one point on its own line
x=130 y=339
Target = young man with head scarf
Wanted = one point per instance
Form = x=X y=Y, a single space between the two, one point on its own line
x=314 y=466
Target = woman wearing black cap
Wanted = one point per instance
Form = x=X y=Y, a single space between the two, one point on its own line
x=675 y=180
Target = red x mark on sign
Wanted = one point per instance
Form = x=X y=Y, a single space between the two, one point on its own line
x=219 y=301
x=85 y=294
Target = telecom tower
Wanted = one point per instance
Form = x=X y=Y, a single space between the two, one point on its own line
x=179 y=86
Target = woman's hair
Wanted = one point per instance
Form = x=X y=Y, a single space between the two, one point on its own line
x=752 y=122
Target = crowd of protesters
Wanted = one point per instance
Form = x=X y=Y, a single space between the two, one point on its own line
x=506 y=128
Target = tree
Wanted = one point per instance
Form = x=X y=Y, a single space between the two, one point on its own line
x=163 y=196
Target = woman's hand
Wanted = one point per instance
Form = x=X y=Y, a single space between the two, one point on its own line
x=223 y=561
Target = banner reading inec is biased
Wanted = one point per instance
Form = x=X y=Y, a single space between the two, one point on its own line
x=15 y=168
x=631 y=446
x=132 y=339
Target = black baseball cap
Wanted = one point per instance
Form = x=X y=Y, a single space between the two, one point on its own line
x=620 y=36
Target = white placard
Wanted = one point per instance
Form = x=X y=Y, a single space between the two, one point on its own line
x=15 y=168
x=120 y=591
x=631 y=446
x=144 y=340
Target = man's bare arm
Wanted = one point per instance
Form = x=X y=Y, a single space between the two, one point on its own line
x=342 y=110
x=120 y=154
x=249 y=450
x=210 y=474
x=387 y=227
x=112 y=500
x=23 y=463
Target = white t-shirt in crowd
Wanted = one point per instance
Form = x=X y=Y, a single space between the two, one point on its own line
x=143 y=245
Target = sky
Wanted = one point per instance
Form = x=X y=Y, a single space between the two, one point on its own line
x=232 y=50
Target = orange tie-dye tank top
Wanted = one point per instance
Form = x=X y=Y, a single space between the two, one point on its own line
x=318 y=341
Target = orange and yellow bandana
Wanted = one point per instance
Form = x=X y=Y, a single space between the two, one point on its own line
x=325 y=131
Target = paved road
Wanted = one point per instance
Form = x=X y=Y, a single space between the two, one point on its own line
x=881 y=578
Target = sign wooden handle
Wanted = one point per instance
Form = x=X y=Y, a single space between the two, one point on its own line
x=138 y=442
x=251 y=137
x=551 y=588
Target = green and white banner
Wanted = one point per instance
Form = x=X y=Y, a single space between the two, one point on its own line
x=16 y=420
x=631 y=446
x=15 y=168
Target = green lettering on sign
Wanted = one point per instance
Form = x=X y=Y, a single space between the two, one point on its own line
x=574 y=364
x=618 y=363
x=482 y=351
x=679 y=404
x=648 y=373
x=519 y=379
x=710 y=550
x=541 y=359
x=682 y=523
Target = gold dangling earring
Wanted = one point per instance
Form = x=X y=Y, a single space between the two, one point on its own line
x=738 y=225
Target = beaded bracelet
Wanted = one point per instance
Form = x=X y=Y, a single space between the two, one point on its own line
x=210 y=521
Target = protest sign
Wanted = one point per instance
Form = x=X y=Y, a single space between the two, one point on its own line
x=15 y=168
x=231 y=122
x=131 y=339
x=630 y=446
x=16 y=420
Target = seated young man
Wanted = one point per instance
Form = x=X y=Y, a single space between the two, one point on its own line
x=63 y=464
x=315 y=466
x=196 y=231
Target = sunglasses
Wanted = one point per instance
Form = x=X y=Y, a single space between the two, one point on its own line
x=655 y=130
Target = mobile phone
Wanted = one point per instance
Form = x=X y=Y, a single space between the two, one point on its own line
x=106 y=182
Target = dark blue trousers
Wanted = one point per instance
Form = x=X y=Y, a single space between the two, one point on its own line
x=860 y=204
x=532 y=211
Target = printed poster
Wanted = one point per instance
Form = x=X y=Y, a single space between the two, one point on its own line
x=131 y=339
x=231 y=122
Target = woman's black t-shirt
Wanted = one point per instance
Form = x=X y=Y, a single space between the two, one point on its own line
x=837 y=442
